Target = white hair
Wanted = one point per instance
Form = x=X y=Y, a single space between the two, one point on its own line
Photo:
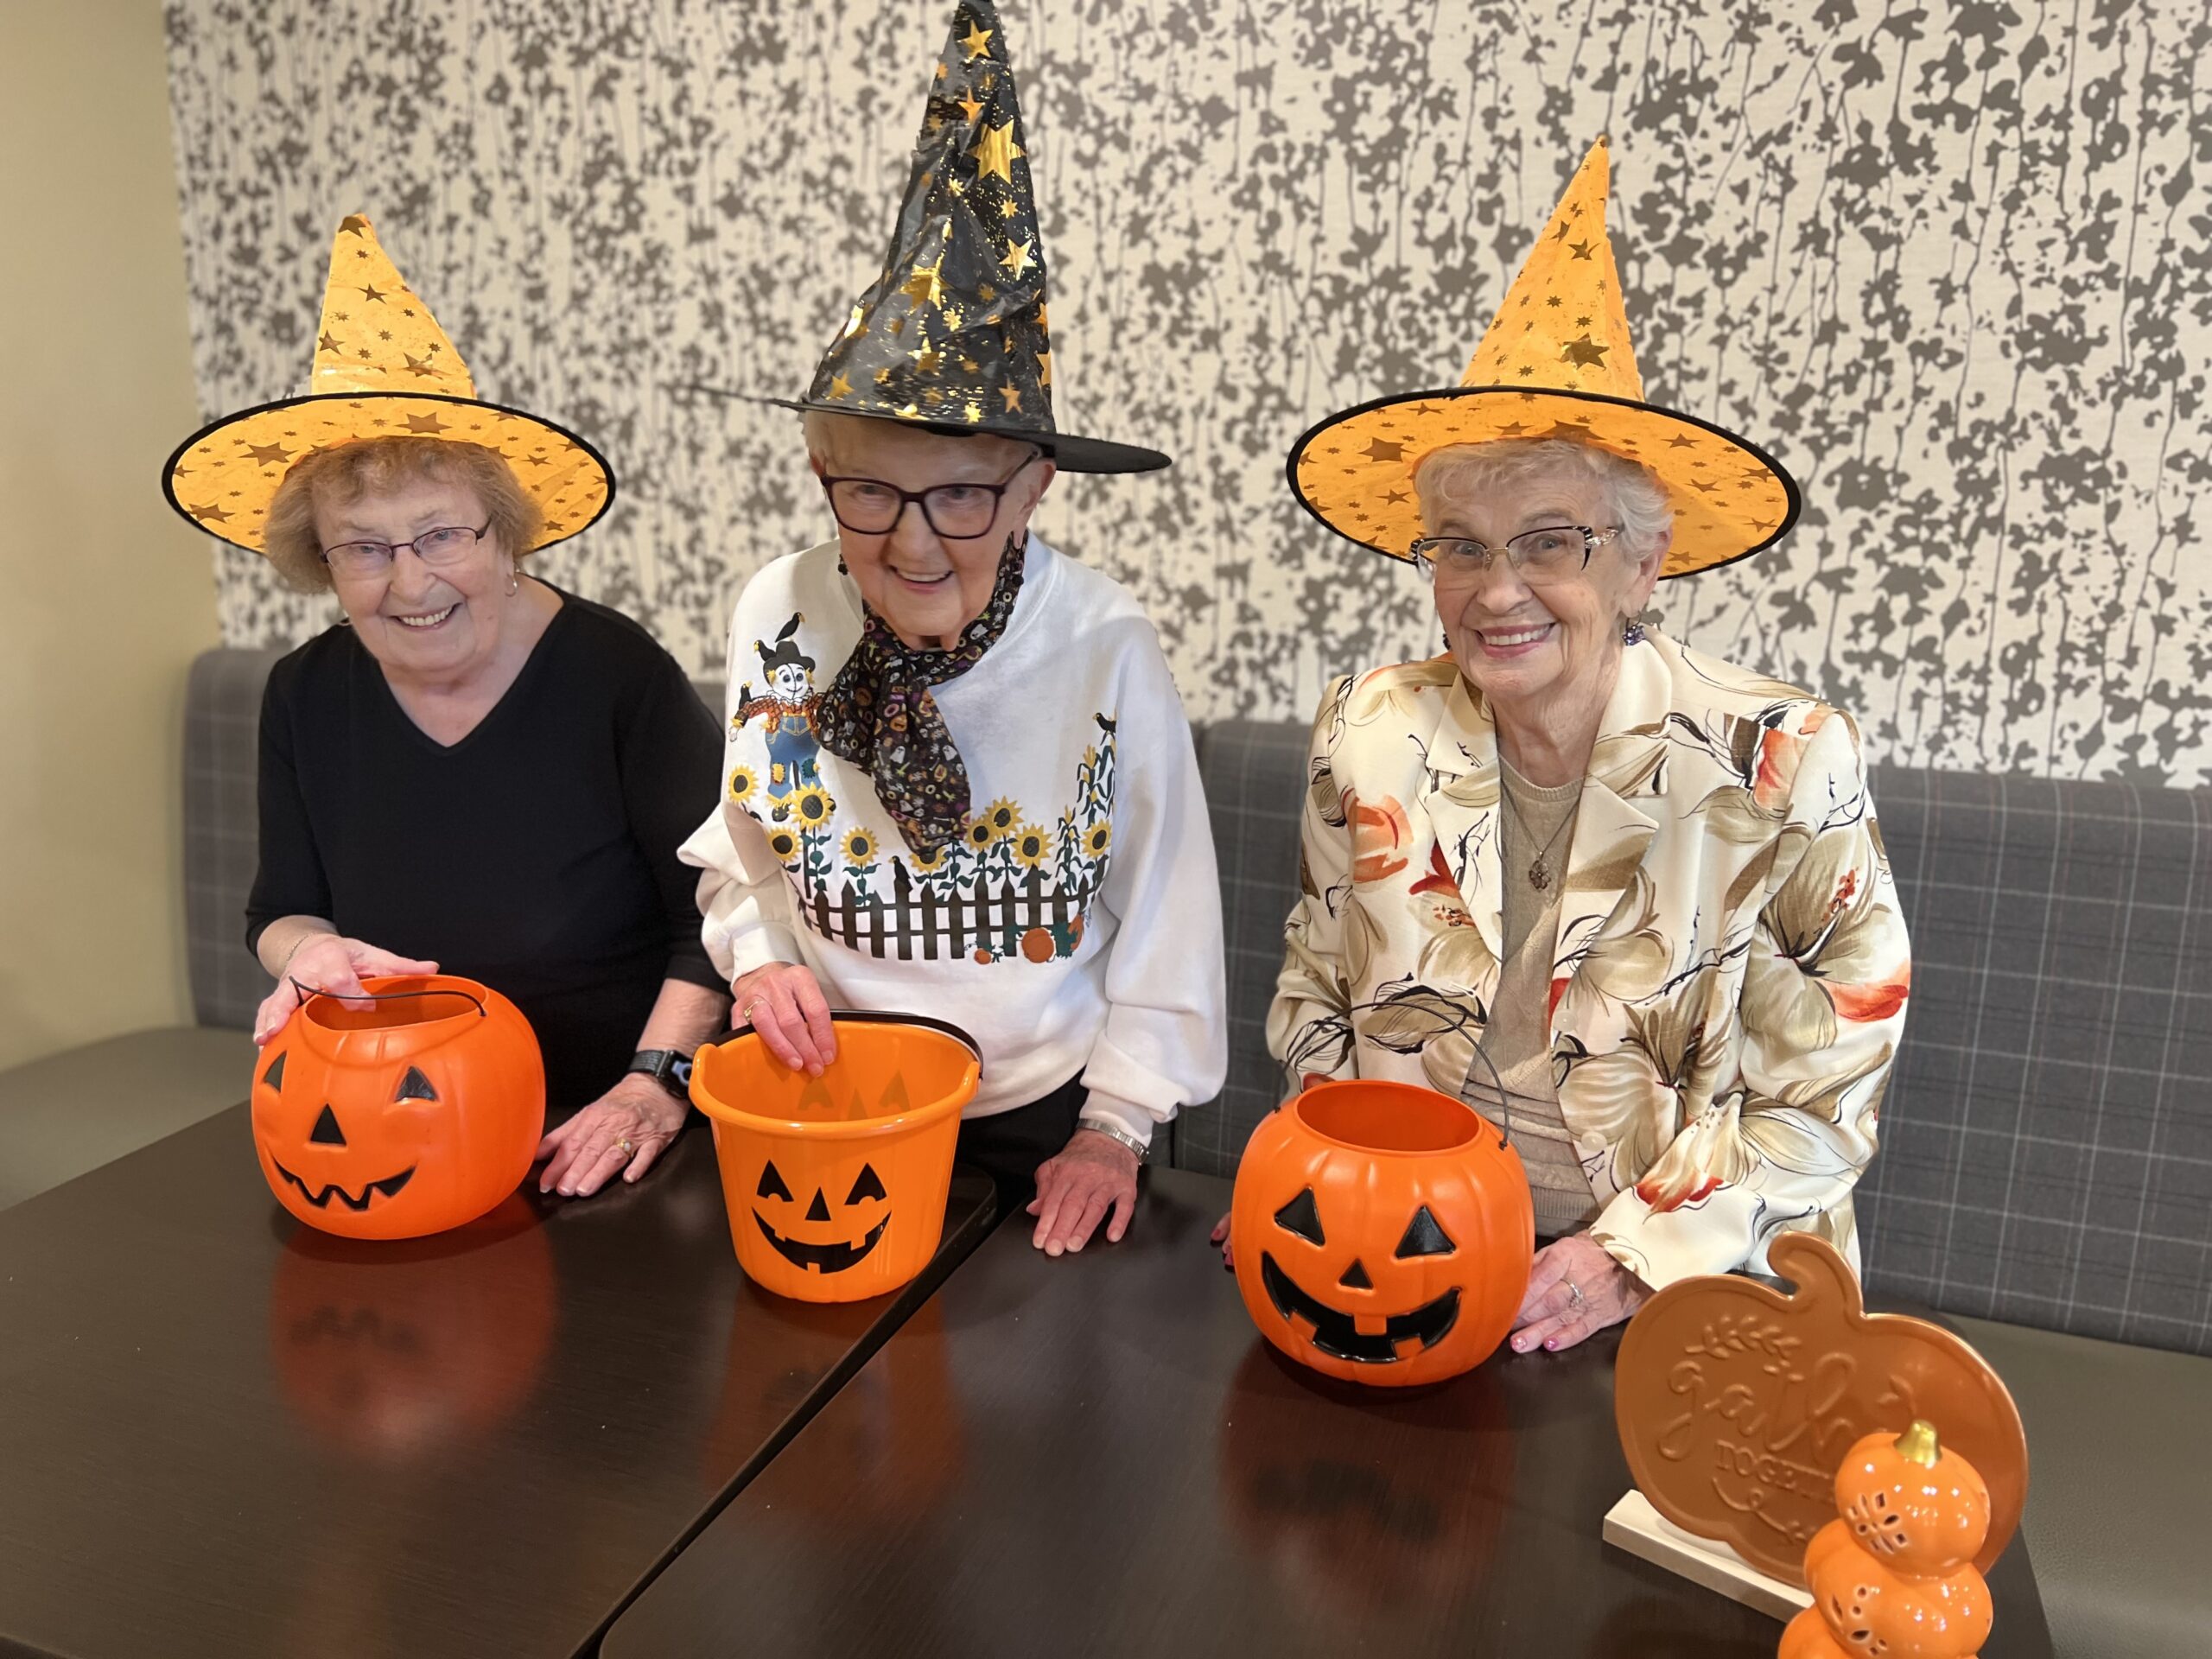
x=1465 y=473
x=820 y=426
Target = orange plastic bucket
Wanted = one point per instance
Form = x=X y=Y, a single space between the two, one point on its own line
x=836 y=1185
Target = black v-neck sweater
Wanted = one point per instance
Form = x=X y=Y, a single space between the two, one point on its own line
x=538 y=855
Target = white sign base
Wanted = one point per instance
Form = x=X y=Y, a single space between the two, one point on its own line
x=1633 y=1525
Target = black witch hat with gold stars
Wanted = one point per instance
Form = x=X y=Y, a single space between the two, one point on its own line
x=951 y=337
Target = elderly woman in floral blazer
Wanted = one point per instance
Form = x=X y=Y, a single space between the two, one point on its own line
x=1648 y=886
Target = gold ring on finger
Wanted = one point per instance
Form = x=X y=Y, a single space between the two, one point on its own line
x=624 y=1143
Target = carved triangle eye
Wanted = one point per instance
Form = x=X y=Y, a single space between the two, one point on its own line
x=415 y=1086
x=772 y=1185
x=1424 y=1237
x=1302 y=1217
x=867 y=1187
x=326 y=1132
x=274 y=1077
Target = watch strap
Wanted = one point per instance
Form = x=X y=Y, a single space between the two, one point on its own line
x=666 y=1067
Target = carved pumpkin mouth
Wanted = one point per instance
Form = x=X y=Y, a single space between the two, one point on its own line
x=388 y=1186
x=1336 y=1335
x=833 y=1258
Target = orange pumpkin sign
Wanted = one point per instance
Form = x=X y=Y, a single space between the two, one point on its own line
x=1895 y=1575
x=415 y=1113
x=1737 y=1405
x=1383 y=1232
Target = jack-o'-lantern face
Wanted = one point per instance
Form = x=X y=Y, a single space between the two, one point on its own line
x=855 y=1229
x=1336 y=1328
x=412 y=1115
x=1384 y=1233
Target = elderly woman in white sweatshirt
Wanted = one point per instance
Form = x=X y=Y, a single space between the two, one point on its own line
x=959 y=782
x=956 y=779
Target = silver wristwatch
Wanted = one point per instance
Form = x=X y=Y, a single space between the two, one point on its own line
x=1115 y=1133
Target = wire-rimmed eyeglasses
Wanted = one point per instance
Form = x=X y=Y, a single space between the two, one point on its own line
x=447 y=544
x=1544 y=553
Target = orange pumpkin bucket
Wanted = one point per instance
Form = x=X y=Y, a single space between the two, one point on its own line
x=417 y=1113
x=1384 y=1233
x=836 y=1185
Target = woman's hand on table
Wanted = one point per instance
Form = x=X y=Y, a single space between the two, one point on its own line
x=1575 y=1290
x=1091 y=1179
x=330 y=962
x=625 y=1130
x=783 y=1001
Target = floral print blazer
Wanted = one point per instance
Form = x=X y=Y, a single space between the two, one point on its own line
x=1730 y=973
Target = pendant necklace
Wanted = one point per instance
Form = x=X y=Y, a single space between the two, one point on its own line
x=1540 y=869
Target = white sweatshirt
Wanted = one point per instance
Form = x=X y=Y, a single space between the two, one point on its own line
x=1092 y=943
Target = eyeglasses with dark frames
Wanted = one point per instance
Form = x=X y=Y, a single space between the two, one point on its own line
x=957 y=513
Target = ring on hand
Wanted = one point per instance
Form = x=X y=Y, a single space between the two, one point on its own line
x=1574 y=1295
x=745 y=1013
x=627 y=1149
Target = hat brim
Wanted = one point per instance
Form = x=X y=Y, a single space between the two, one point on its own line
x=224 y=476
x=1070 y=452
x=1354 y=470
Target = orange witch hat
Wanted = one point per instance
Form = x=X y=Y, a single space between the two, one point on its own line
x=1556 y=362
x=382 y=368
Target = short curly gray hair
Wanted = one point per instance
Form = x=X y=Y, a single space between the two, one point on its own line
x=345 y=473
x=1635 y=500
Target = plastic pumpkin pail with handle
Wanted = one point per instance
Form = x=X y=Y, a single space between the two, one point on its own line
x=836 y=1185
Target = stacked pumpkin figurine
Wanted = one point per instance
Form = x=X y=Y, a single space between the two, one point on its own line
x=1895 y=1574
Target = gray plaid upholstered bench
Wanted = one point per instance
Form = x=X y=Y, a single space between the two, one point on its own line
x=2045 y=1177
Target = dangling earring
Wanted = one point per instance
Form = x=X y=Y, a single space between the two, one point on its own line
x=1632 y=628
x=514 y=582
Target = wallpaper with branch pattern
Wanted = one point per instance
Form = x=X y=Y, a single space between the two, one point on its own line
x=1949 y=262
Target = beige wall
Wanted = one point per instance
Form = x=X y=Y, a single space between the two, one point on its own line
x=106 y=595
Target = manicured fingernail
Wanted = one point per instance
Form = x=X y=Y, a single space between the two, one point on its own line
x=1551 y=1344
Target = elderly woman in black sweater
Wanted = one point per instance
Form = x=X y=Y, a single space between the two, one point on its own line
x=473 y=772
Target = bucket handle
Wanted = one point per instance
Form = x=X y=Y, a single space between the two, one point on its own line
x=1504 y=1094
x=307 y=991
x=883 y=1017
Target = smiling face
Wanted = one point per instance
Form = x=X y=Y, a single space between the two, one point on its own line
x=441 y=622
x=925 y=586
x=1527 y=643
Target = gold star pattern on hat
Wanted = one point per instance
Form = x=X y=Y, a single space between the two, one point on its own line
x=1556 y=363
x=382 y=368
x=953 y=334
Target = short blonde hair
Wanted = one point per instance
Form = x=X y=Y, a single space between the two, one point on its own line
x=345 y=473
x=1635 y=499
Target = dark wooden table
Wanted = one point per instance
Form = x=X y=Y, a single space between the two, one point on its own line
x=222 y=1434
x=1099 y=1455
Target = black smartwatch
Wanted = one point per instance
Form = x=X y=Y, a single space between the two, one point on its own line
x=666 y=1067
